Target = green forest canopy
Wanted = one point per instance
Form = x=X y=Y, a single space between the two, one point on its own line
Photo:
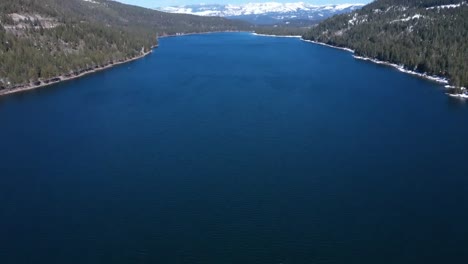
x=421 y=35
x=42 y=39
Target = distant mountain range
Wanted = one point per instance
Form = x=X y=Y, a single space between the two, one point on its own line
x=265 y=13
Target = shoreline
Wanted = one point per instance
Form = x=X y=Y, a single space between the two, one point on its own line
x=434 y=78
x=199 y=33
x=276 y=36
x=64 y=78
x=328 y=45
x=459 y=96
x=401 y=68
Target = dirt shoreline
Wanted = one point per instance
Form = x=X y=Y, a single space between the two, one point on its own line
x=64 y=78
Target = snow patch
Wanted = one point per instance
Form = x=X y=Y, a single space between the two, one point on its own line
x=327 y=45
x=402 y=69
x=417 y=16
x=356 y=20
x=353 y=20
x=276 y=36
x=446 y=6
x=21 y=21
x=461 y=96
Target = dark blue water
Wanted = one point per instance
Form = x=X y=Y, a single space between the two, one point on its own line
x=233 y=148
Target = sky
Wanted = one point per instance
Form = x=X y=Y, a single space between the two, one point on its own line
x=162 y=3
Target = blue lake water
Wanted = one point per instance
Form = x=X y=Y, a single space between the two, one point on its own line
x=235 y=148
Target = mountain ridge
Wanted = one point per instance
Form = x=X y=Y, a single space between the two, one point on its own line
x=264 y=13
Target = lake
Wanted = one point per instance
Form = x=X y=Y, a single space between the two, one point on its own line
x=235 y=148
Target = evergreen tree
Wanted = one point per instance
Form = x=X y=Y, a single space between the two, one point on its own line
x=424 y=36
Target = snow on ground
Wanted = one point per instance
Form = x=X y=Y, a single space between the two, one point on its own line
x=402 y=69
x=254 y=8
x=91 y=1
x=417 y=16
x=462 y=96
x=276 y=36
x=446 y=6
x=353 y=20
x=21 y=21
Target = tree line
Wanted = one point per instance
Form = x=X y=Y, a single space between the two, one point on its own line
x=417 y=34
x=57 y=37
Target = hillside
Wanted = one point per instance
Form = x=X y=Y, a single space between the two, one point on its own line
x=428 y=36
x=43 y=39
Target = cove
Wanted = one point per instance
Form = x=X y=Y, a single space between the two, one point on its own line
x=235 y=148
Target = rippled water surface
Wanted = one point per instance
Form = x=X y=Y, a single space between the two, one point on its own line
x=234 y=148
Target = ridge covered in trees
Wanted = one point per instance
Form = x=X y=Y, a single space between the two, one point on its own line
x=43 y=39
x=426 y=36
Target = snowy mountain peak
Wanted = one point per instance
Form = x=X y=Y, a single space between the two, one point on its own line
x=273 y=10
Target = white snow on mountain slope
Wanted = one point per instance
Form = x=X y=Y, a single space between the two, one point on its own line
x=275 y=10
x=417 y=16
x=446 y=6
x=91 y=1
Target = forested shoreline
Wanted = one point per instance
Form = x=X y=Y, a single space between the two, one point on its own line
x=69 y=76
x=42 y=41
x=46 y=41
x=426 y=37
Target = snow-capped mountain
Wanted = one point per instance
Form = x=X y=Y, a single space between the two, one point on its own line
x=264 y=13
